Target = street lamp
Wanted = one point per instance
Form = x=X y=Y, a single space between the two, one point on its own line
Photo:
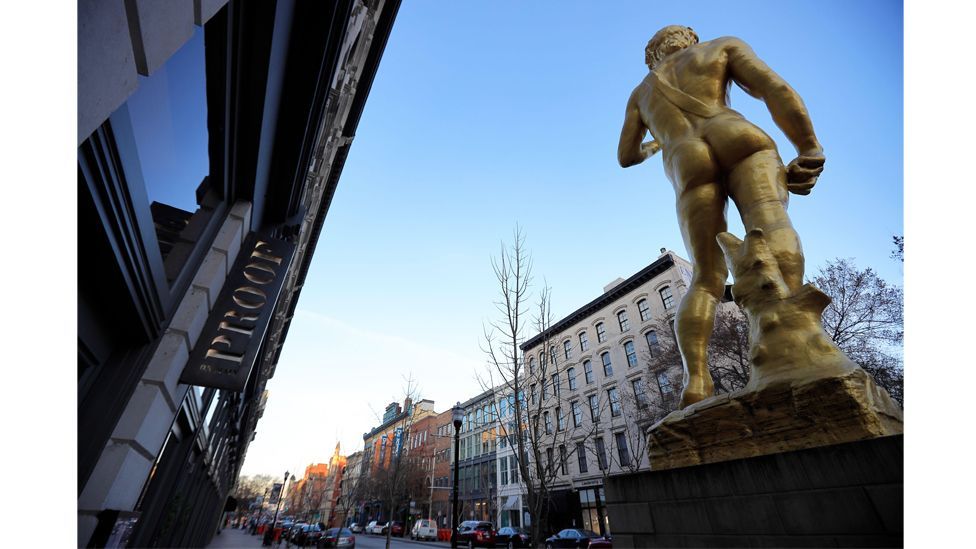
x=269 y=535
x=457 y=414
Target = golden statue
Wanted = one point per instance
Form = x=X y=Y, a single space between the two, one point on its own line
x=711 y=153
x=803 y=391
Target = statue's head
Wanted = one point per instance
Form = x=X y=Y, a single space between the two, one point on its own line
x=667 y=41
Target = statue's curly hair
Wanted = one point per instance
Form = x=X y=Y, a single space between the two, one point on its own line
x=667 y=41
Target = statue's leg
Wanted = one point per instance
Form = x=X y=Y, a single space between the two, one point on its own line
x=757 y=184
x=701 y=214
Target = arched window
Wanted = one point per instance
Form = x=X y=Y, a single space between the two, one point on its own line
x=631 y=354
x=652 y=344
x=622 y=320
x=666 y=297
x=588 y=371
x=584 y=342
x=607 y=367
x=645 y=311
x=601 y=333
x=571 y=377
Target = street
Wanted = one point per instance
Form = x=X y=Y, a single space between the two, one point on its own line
x=232 y=538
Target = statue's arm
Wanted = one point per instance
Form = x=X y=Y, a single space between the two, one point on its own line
x=787 y=109
x=785 y=105
x=630 y=150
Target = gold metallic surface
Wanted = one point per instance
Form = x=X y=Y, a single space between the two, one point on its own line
x=712 y=153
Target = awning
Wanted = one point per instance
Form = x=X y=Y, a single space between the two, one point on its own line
x=511 y=503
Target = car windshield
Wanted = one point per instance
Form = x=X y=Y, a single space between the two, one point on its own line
x=345 y=532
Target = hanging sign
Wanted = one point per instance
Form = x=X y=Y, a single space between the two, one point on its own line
x=228 y=346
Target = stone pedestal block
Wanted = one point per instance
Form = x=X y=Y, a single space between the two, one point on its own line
x=842 y=495
x=780 y=417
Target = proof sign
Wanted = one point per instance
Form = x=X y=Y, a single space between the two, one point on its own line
x=228 y=347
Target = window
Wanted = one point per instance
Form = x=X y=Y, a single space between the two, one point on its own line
x=477 y=418
x=588 y=371
x=567 y=349
x=645 y=311
x=503 y=407
x=550 y=462
x=607 y=367
x=584 y=342
x=555 y=384
x=594 y=408
x=545 y=390
x=631 y=354
x=552 y=355
x=531 y=366
x=560 y=419
x=622 y=452
x=664 y=384
x=640 y=392
x=571 y=378
x=601 y=333
x=534 y=393
x=513 y=472
x=577 y=413
x=601 y=454
x=666 y=297
x=652 y=344
x=563 y=458
x=535 y=427
x=614 y=398
x=548 y=421
x=622 y=320
x=581 y=456
x=504 y=470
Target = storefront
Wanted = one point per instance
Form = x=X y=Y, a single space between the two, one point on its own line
x=201 y=195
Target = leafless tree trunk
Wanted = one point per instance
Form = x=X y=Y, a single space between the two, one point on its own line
x=532 y=438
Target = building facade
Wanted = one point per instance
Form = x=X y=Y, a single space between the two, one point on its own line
x=593 y=384
x=477 y=485
x=201 y=196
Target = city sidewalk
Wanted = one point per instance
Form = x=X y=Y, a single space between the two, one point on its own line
x=235 y=538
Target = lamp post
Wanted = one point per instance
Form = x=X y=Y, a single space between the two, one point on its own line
x=269 y=535
x=457 y=414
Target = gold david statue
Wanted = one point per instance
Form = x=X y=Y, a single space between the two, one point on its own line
x=711 y=154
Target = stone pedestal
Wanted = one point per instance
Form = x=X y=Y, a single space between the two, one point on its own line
x=842 y=495
x=779 y=417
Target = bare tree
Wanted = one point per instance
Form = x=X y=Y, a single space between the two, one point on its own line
x=532 y=389
x=899 y=251
x=865 y=319
x=729 y=360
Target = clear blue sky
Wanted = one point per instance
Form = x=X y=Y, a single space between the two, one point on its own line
x=488 y=114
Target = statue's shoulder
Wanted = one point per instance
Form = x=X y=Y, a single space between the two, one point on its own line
x=726 y=42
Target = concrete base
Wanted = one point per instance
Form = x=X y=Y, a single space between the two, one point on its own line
x=779 y=417
x=843 y=495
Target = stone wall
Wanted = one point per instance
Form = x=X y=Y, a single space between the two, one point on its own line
x=845 y=495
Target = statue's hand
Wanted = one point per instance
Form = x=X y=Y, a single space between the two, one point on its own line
x=649 y=148
x=802 y=172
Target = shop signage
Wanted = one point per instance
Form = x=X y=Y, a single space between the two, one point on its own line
x=228 y=347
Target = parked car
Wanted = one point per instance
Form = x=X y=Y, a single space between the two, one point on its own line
x=370 y=527
x=396 y=528
x=474 y=533
x=379 y=528
x=292 y=531
x=338 y=537
x=356 y=528
x=307 y=535
x=576 y=537
x=513 y=536
x=424 y=529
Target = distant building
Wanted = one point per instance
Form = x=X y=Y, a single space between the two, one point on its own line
x=592 y=379
x=332 y=490
x=211 y=138
x=477 y=483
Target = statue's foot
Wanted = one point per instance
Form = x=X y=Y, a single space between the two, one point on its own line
x=698 y=388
